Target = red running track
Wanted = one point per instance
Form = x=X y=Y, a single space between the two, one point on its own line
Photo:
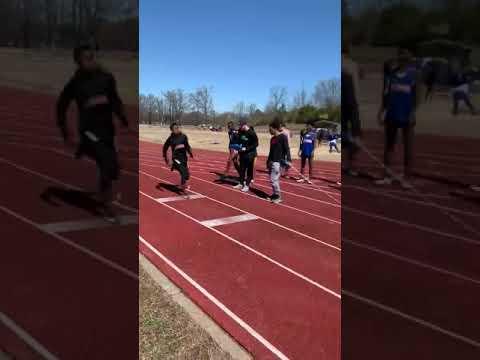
x=410 y=273
x=65 y=294
x=272 y=282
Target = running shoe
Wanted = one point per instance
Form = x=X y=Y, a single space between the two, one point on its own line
x=277 y=200
x=238 y=186
x=406 y=184
x=384 y=181
x=475 y=188
x=301 y=180
x=245 y=188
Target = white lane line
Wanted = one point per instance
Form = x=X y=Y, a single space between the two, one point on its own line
x=26 y=337
x=229 y=220
x=256 y=252
x=215 y=301
x=82 y=249
x=245 y=212
x=87 y=224
x=413 y=226
x=413 y=201
x=411 y=261
x=229 y=188
x=56 y=181
x=411 y=318
x=179 y=198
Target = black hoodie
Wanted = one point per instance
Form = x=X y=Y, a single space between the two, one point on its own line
x=97 y=119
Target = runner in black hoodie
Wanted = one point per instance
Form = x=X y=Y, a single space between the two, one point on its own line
x=95 y=92
x=248 y=141
x=180 y=147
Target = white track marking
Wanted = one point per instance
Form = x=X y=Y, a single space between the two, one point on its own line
x=411 y=318
x=216 y=302
x=412 y=261
x=256 y=252
x=413 y=201
x=229 y=220
x=26 y=337
x=72 y=244
x=80 y=225
x=245 y=212
x=56 y=181
x=179 y=198
x=414 y=226
x=329 y=220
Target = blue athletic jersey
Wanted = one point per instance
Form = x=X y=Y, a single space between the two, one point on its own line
x=400 y=97
x=233 y=139
x=307 y=143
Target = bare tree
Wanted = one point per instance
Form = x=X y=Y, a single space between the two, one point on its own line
x=278 y=99
x=202 y=101
x=240 y=110
x=300 y=99
x=327 y=93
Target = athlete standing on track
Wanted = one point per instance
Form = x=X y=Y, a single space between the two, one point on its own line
x=398 y=111
x=350 y=118
x=308 y=143
x=180 y=147
x=279 y=151
x=233 y=147
x=95 y=93
x=285 y=163
x=248 y=141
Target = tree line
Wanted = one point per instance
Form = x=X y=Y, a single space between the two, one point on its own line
x=387 y=23
x=197 y=107
x=108 y=24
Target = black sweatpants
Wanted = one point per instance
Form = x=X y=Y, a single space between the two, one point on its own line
x=181 y=165
x=304 y=160
x=104 y=153
x=246 y=168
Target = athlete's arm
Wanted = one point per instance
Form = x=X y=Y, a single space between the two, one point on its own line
x=116 y=102
x=287 y=150
x=188 y=147
x=165 y=148
x=64 y=100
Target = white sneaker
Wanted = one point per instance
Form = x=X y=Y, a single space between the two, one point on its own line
x=238 y=186
x=301 y=180
x=245 y=188
x=276 y=201
x=384 y=181
x=475 y=188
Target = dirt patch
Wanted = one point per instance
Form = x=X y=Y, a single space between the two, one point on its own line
x=48 y=71
x=218 y=141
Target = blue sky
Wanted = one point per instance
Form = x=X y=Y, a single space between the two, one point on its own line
x=241 y=48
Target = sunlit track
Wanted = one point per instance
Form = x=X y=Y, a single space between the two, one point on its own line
x=288 y=234
x=33 y=160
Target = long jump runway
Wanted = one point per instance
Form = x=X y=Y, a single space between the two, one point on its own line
x=410 y=274
x=268 y=274
x=65 y=273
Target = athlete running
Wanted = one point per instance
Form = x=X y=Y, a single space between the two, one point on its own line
x=308 y=143
x=398 y=111
x=178 y=142
x=95 y=92
x=233 y=147
x=248 y=141
x=279 y=151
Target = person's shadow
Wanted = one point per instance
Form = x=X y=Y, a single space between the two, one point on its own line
x=79 y=199
x=233 y=180
x=169 y=187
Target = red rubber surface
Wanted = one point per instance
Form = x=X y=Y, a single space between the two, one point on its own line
x=74 y=305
